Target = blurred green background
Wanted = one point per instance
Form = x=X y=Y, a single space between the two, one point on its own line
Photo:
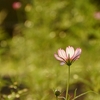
x=32 y=31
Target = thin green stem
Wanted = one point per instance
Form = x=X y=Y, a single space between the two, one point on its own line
x=79 y=96
x=68 y=81
x=83 y=94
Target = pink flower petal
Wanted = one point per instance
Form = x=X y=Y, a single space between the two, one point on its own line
x=58 y=58
x=77 y=54
x=62 y=63
x=62 y=54
x=78 y=51
x=70 y=51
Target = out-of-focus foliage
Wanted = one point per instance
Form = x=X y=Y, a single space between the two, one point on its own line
x=27 y=48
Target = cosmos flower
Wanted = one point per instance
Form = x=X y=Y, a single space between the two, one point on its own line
x=97 y=15
x=68 y=56
x=16 y=5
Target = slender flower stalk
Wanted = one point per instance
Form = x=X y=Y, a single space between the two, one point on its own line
x=68 y=80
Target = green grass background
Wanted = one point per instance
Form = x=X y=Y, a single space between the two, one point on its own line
x=28 y=58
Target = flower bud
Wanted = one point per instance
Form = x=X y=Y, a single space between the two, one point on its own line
x=57 y=93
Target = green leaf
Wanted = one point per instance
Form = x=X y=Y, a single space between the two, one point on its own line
x=75 y=93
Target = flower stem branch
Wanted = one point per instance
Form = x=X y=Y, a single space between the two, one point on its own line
x=82 y=94
x=62 y=98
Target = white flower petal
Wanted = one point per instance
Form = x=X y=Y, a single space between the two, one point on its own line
x=69 y=51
